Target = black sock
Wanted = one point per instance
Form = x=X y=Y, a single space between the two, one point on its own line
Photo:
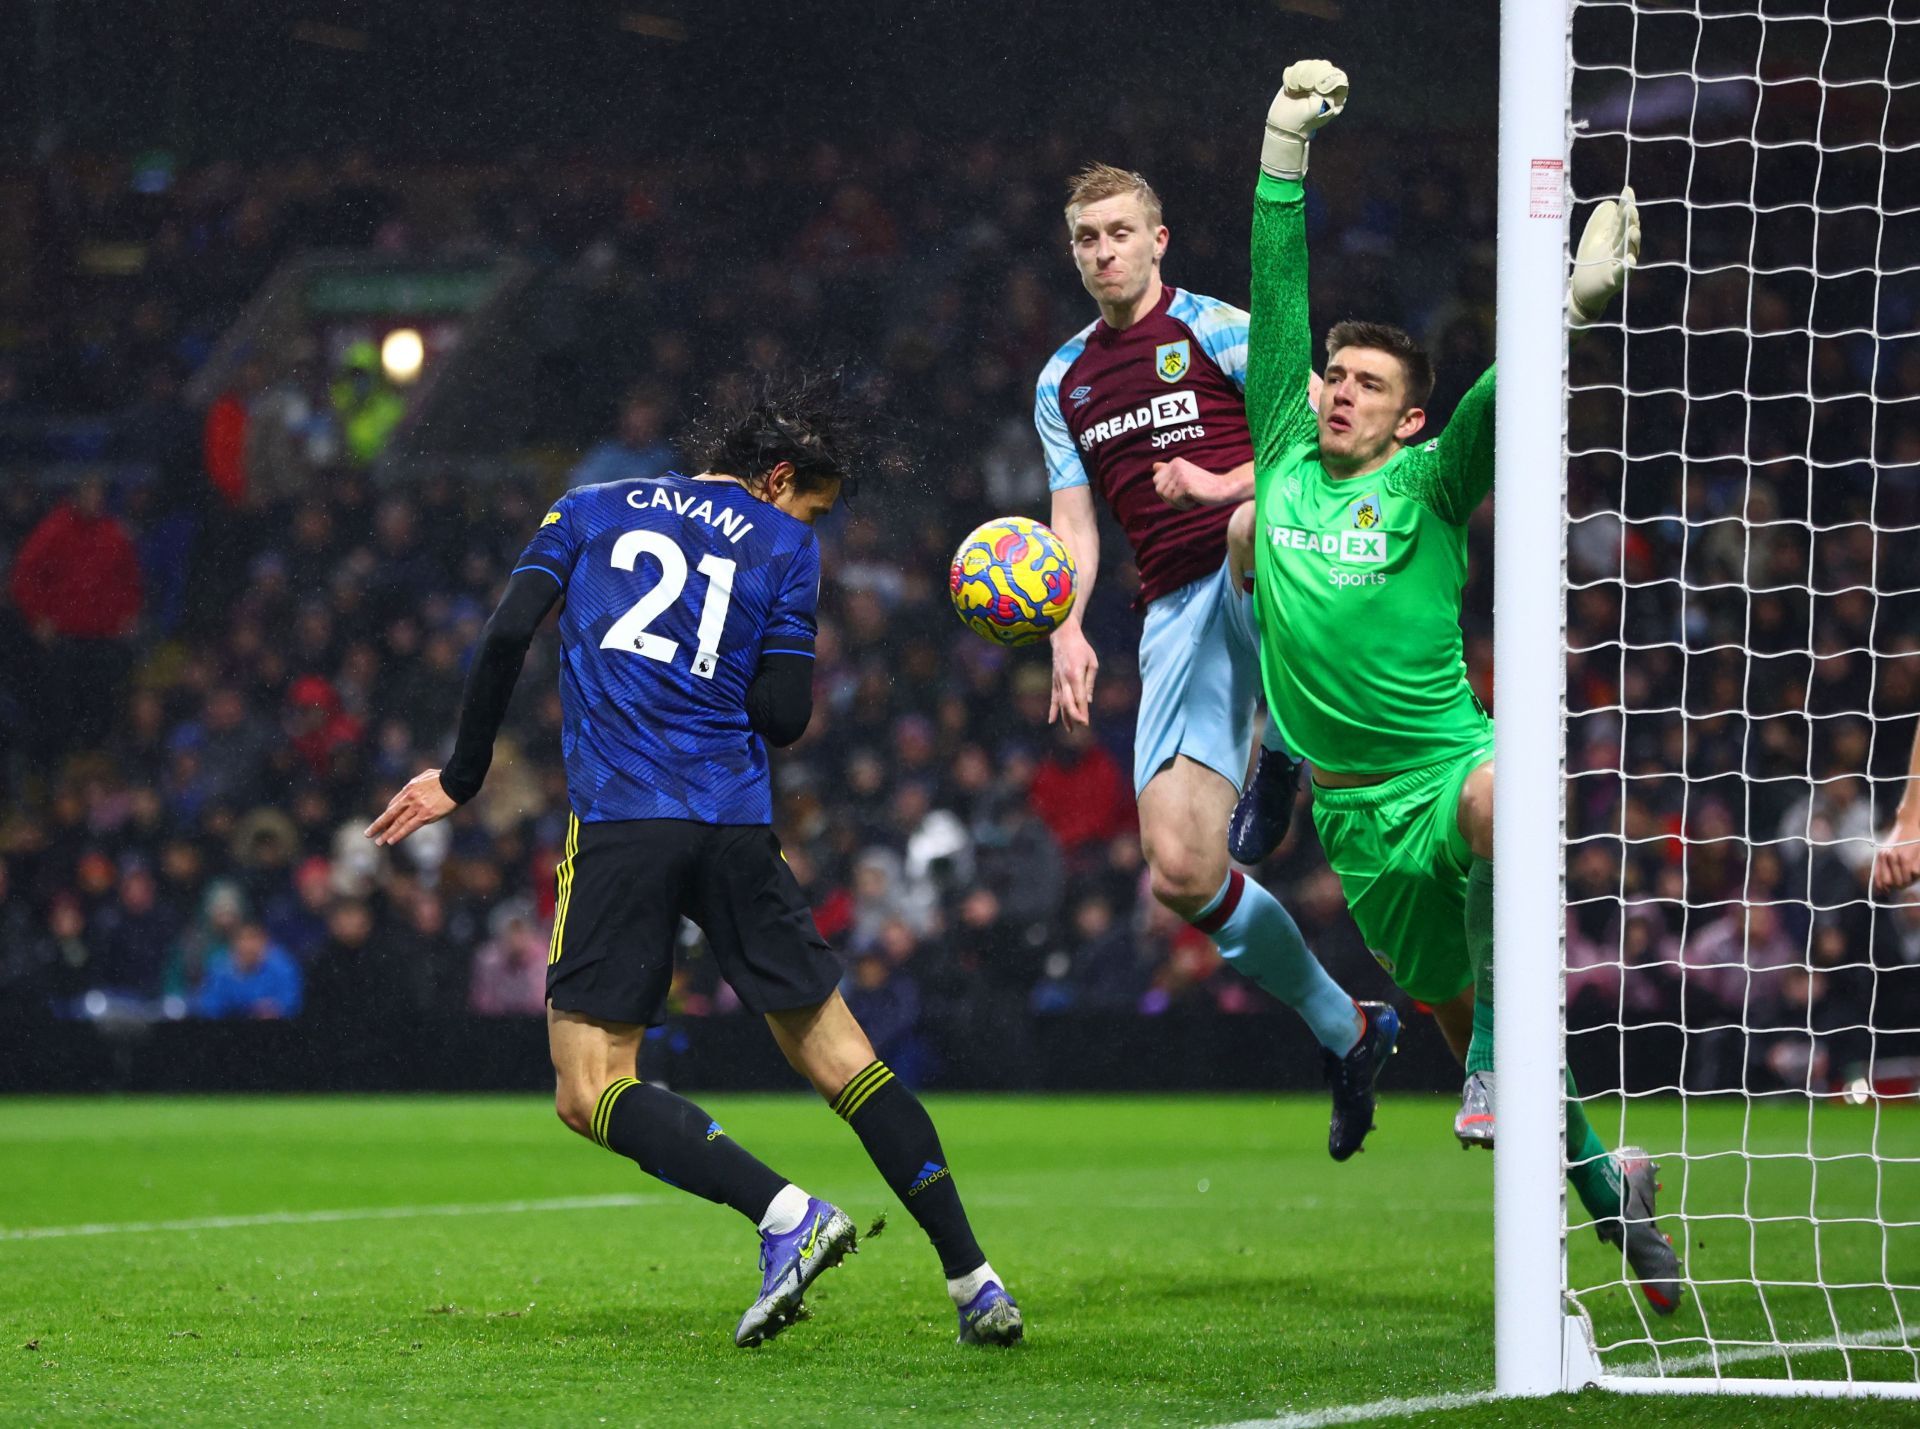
x=899 y=1136
x=669 y=1137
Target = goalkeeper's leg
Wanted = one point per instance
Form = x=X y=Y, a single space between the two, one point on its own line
x=1617 y=1189
x=1592 y=1172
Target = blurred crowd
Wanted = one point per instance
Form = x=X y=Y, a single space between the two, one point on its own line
x=212 y=677
x=1744 y=619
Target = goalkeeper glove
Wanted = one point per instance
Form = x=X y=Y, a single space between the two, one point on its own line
x=1609 y=246
x=1311 y=93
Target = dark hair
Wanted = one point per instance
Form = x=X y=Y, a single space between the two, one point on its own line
x=806 y=418
x=1385 y=337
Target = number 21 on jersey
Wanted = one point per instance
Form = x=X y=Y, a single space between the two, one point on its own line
x=630 y=631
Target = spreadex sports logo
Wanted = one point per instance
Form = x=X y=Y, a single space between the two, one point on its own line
x=1360 y=543
x=1177 y=410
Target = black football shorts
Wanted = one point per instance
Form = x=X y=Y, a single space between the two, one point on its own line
x=625 y=886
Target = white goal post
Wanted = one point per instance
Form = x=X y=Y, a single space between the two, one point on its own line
x=1707 y=638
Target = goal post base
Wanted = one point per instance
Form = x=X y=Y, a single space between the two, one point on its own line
x=1579 y=1364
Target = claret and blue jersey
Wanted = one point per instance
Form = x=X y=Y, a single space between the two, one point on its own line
x=674 y=589
x=1112 y=402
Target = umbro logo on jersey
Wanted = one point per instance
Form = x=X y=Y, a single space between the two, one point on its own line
x=1078 y=396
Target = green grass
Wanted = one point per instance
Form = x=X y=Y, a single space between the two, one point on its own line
x=1181 y=1260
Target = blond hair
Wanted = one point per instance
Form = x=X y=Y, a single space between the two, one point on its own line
x=1102 y=181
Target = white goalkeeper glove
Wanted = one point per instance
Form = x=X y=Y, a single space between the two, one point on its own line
x=1609 y=246
x=1311 y=93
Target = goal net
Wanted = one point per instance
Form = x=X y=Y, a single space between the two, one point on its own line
x=1740 y=624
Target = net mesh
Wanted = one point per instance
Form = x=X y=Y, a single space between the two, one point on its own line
x=1743 y=668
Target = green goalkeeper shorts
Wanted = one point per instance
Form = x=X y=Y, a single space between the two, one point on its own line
x=1402 y=863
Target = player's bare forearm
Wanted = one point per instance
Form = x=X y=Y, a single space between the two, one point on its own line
x=1181 y=484
x=1076 y=523
x=1075 y=665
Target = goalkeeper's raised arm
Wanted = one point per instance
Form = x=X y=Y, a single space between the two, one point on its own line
x=1279 y=414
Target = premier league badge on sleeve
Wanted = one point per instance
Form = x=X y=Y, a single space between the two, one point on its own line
x=1171 y=360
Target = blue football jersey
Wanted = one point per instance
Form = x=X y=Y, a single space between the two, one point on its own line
x=674 y=590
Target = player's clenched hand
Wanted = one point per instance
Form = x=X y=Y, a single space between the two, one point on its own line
x=1896 y=863
x=1074 y=668
x=1312 y=93
x=420 y=803
x=1181 y=484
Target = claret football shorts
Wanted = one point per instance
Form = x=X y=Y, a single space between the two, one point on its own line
x=625 y=886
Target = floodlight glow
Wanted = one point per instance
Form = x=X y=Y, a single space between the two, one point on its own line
x=402 y=353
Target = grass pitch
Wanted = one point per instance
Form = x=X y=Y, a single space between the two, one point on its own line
x=1181 y=1260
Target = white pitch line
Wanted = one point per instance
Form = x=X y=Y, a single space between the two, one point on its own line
x=1742 y=1354
x=316 y=1218
x=1361 y=1413
x=1427 y=1404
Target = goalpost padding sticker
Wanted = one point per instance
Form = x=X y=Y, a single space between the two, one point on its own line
x=1547 y=189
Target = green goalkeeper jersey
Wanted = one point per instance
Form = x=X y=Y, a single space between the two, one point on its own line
x=1358 y=582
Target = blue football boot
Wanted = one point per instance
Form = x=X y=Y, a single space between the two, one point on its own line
x=1351 y=1079
x=1265 y=811
x=991 y=1318
x=790 y=1263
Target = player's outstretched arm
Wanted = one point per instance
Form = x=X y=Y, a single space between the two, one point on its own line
x=1280 y=337
x=1074 y=663
x=433 y=794
x=1609 y=249
x=1896 y=865
x=1453 y=474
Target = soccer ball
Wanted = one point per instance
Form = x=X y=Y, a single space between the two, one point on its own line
x=1012 y=581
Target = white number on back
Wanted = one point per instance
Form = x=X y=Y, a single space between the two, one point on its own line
x=630 y=631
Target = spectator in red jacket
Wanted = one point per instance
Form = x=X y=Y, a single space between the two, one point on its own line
x=317 y=724
x=1080 y=793
x=77 y=576
x=76 y=583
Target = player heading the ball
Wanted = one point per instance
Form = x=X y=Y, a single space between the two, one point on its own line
x=686 y=643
